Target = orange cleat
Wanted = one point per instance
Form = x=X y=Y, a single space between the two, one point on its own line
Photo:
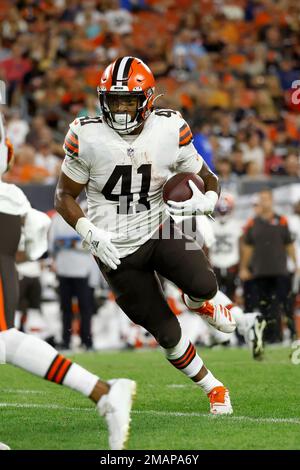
x=220 y=401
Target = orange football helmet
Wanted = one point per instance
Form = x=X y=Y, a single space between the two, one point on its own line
x=126 y=94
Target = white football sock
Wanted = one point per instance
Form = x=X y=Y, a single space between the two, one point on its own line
x=2 y=352
x=80 y=379
x=193 y=303
x=209 y=382
x=39 y=358
x=184 y=357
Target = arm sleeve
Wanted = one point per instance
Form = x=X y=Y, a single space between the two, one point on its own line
x=188 y=158
x=75 y=165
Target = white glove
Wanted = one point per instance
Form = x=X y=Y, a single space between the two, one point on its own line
x=98 y=242
x=35 y=231
x=198 y=204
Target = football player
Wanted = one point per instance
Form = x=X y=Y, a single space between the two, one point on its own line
x=113 y=399
x=122 y=159
x=224 y=253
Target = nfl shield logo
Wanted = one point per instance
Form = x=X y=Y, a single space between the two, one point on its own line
x=130 y=152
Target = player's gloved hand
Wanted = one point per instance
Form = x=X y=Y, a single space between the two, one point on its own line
x=198 y=204
x=98 y=242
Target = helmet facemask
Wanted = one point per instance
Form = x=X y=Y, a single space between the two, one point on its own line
x=124 y=111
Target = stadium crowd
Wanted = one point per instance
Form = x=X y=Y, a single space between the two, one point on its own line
x=230 y=66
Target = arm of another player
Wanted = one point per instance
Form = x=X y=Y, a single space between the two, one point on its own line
x=96 y=240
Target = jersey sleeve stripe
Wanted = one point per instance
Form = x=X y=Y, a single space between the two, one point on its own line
x=183 y=128
x=186 y=140
x=71 y=148
x=186 y=134
x=70 y=142
x=73 y=137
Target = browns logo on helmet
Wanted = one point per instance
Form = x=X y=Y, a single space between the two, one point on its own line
x=126 y=94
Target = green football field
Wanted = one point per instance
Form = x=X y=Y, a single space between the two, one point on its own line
x=169 y=411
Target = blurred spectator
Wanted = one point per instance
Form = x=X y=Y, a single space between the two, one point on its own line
x=45 y=159
x=225 y=134
x=233 y=65
x=91 y=107
x=238 y=166
x=17 y=129
x=253 y=170
x=228 y=180
x=203 y=145
x=291 y=165
x=273 y=162
x=187 y=49
x=253 y=152
x=118 y=19
x=14 y=68
x=24 y=170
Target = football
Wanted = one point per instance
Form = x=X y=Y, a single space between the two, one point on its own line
x=177 y=188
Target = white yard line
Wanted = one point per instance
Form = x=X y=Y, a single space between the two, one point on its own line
x=158 y=413
x=22 y=391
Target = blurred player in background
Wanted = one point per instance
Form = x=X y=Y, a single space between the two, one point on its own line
x=113 y=398
x=224 y=253
x=29 y=317
x=73 y=267
x=202 y=229
x=122 y=159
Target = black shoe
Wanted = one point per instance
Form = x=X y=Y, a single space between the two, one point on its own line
x=258 y=337
x=63 y=346
x=51 y=340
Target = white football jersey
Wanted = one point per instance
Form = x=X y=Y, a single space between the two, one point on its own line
x=124 y=180
x=225 y=251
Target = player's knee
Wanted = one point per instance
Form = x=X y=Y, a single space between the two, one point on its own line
x=169 y=334
x=204 y=287
x=12 y=339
